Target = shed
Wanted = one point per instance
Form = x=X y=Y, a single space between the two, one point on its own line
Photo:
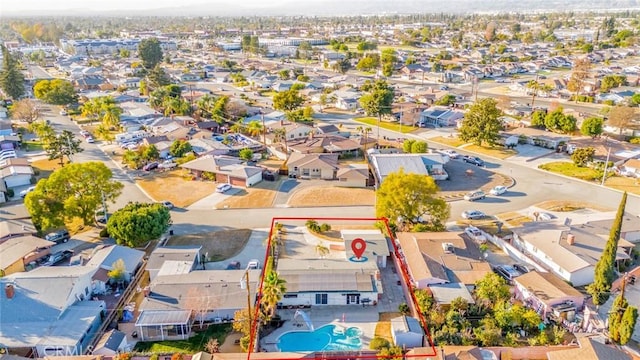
x=111 y=343
x=407 y=332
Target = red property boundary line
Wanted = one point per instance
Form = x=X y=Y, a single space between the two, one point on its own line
x=403 y=271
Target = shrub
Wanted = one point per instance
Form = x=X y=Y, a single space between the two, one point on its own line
x=378 y=343
x=325 y=227
x=635 y=140
x=404 y=308
x=10 y=193
x=104 y=233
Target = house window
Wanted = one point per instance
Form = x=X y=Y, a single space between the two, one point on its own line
x=321 y=299
x=290 y=296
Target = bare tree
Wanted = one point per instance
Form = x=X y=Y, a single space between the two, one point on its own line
x=581 y=70
x=212 y=346
x=200 y=303
x=621 y=117
x=25 y=110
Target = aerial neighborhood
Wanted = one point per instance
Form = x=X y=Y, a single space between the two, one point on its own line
x=435 y=186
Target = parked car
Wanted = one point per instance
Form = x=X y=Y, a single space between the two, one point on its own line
x=451 y=153
x=498 y=190
x=58 y=257
x=168 y=164
x=63 y=112
x=60 y=236
x=168 y=204
x=507 y=272
x=522 y=268
x=90 y=140
x=545 y=216
x=474 y=160
x=150 y=166
x=234 y=265
x=85 y=133
x=24 y=192
x=253 y=264
x=473 y=214
x=444 y=87
x=475 y=233
x=475 y=195
x=223 y=188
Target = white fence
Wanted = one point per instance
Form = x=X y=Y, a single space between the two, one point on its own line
x=513 y=252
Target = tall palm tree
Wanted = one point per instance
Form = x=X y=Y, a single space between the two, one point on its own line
x=272 y=291
x=364 y=132
x=280 y=134
x=111 y=115
x=237 y=128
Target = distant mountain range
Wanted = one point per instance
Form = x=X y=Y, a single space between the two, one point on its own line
x=353 y=7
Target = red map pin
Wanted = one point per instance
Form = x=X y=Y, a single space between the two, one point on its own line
x=358 y=246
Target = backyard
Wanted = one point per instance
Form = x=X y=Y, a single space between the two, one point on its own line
x=192 y=345
x=220 y=245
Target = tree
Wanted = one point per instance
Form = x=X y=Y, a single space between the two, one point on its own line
x=411 y=146
x=272 y=291
x=582 y=156
x=212 y=346
x=254 y=128
x=616 y=313
x=137 y=223
x=612 y=81
x=621 y=117
x=75 y=191
x=63 y=145
x=157 y=78
x=11 y=78
x=118 y=271
x=104 y=133
x=378 y=100
x=149 y=153
x=322 y=250
x=150 y=52
x=489 y=334
x=604 y=273
x=557 y=120
x=446 y=100
x=482 y=123
x=55 y=92
x=492 y=289
x=537 y=118
x=408 y=199
x=581 y=70
x=25 y=110
x=287 y=101
x=43 y=130
x=246 y=154
x=592 y=127
x=179 y=148
x=628 y=324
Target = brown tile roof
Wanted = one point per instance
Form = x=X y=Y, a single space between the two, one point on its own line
x=546 y=286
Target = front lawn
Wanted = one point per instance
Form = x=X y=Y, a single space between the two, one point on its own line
x=622 y=183
x=499 y=152
x=31 y=145
x=175 y=186
x=393 y=126
x=452 y=141
x=189 y=346
x=572 y=170
x=220 y=245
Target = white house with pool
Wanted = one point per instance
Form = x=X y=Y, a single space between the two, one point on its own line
x=320 y=282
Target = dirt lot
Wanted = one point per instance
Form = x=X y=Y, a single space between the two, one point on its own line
x=220 y=245
x=567 y=206
x=259 y=196
x=175 y=187
x=332 y=196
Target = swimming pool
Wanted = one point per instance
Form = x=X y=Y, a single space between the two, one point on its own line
x=325 y=338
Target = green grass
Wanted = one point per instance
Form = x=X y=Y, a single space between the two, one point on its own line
x=394 y=126
x=189 y=346
x=570 y=169
x=31 y=145
x=451 y=141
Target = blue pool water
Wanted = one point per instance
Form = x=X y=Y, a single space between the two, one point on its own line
x=326 y=338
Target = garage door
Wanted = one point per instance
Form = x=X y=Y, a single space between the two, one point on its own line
x=17 y=180
x=238 y=182
x=222 y=178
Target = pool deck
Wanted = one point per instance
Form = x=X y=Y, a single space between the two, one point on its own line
x=364 y=318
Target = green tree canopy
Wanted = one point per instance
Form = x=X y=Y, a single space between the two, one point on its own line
x=137 y=223
x=11 y=78
x=61 y=145
x=492 y=289
x=592 y=126
x=150 y=52
x=75 y=190
x=55 y=92
x=408 y=199
x=287 y=100
x=179 y=148
x=481 y=123
x=583 y=156
x=558 y=121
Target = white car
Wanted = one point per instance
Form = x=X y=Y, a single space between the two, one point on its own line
x=473 y=214
x=90 y=140
x=168 y=164
x=451 y=153
x=63 y=112
x=475 y=233
x=168 y=204
x=84 y=133
x=223 y=188
x=498 y=190
x=24 y=192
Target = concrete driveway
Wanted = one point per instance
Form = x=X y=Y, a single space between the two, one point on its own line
x=210 y=202
x=527 y=153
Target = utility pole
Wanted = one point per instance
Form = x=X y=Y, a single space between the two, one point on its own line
x=535 y=91
x=264 y=129
x=604 y=175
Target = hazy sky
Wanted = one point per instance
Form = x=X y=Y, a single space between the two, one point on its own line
x=35 y=5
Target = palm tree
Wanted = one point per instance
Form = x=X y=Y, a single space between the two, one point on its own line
x=237 y=128
x=280 y=134
x=254 y=128
x=111 y=115
x=103 y=133
x=205 y=105
x=273 y=289
x=322 y=250
x=364 y=132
